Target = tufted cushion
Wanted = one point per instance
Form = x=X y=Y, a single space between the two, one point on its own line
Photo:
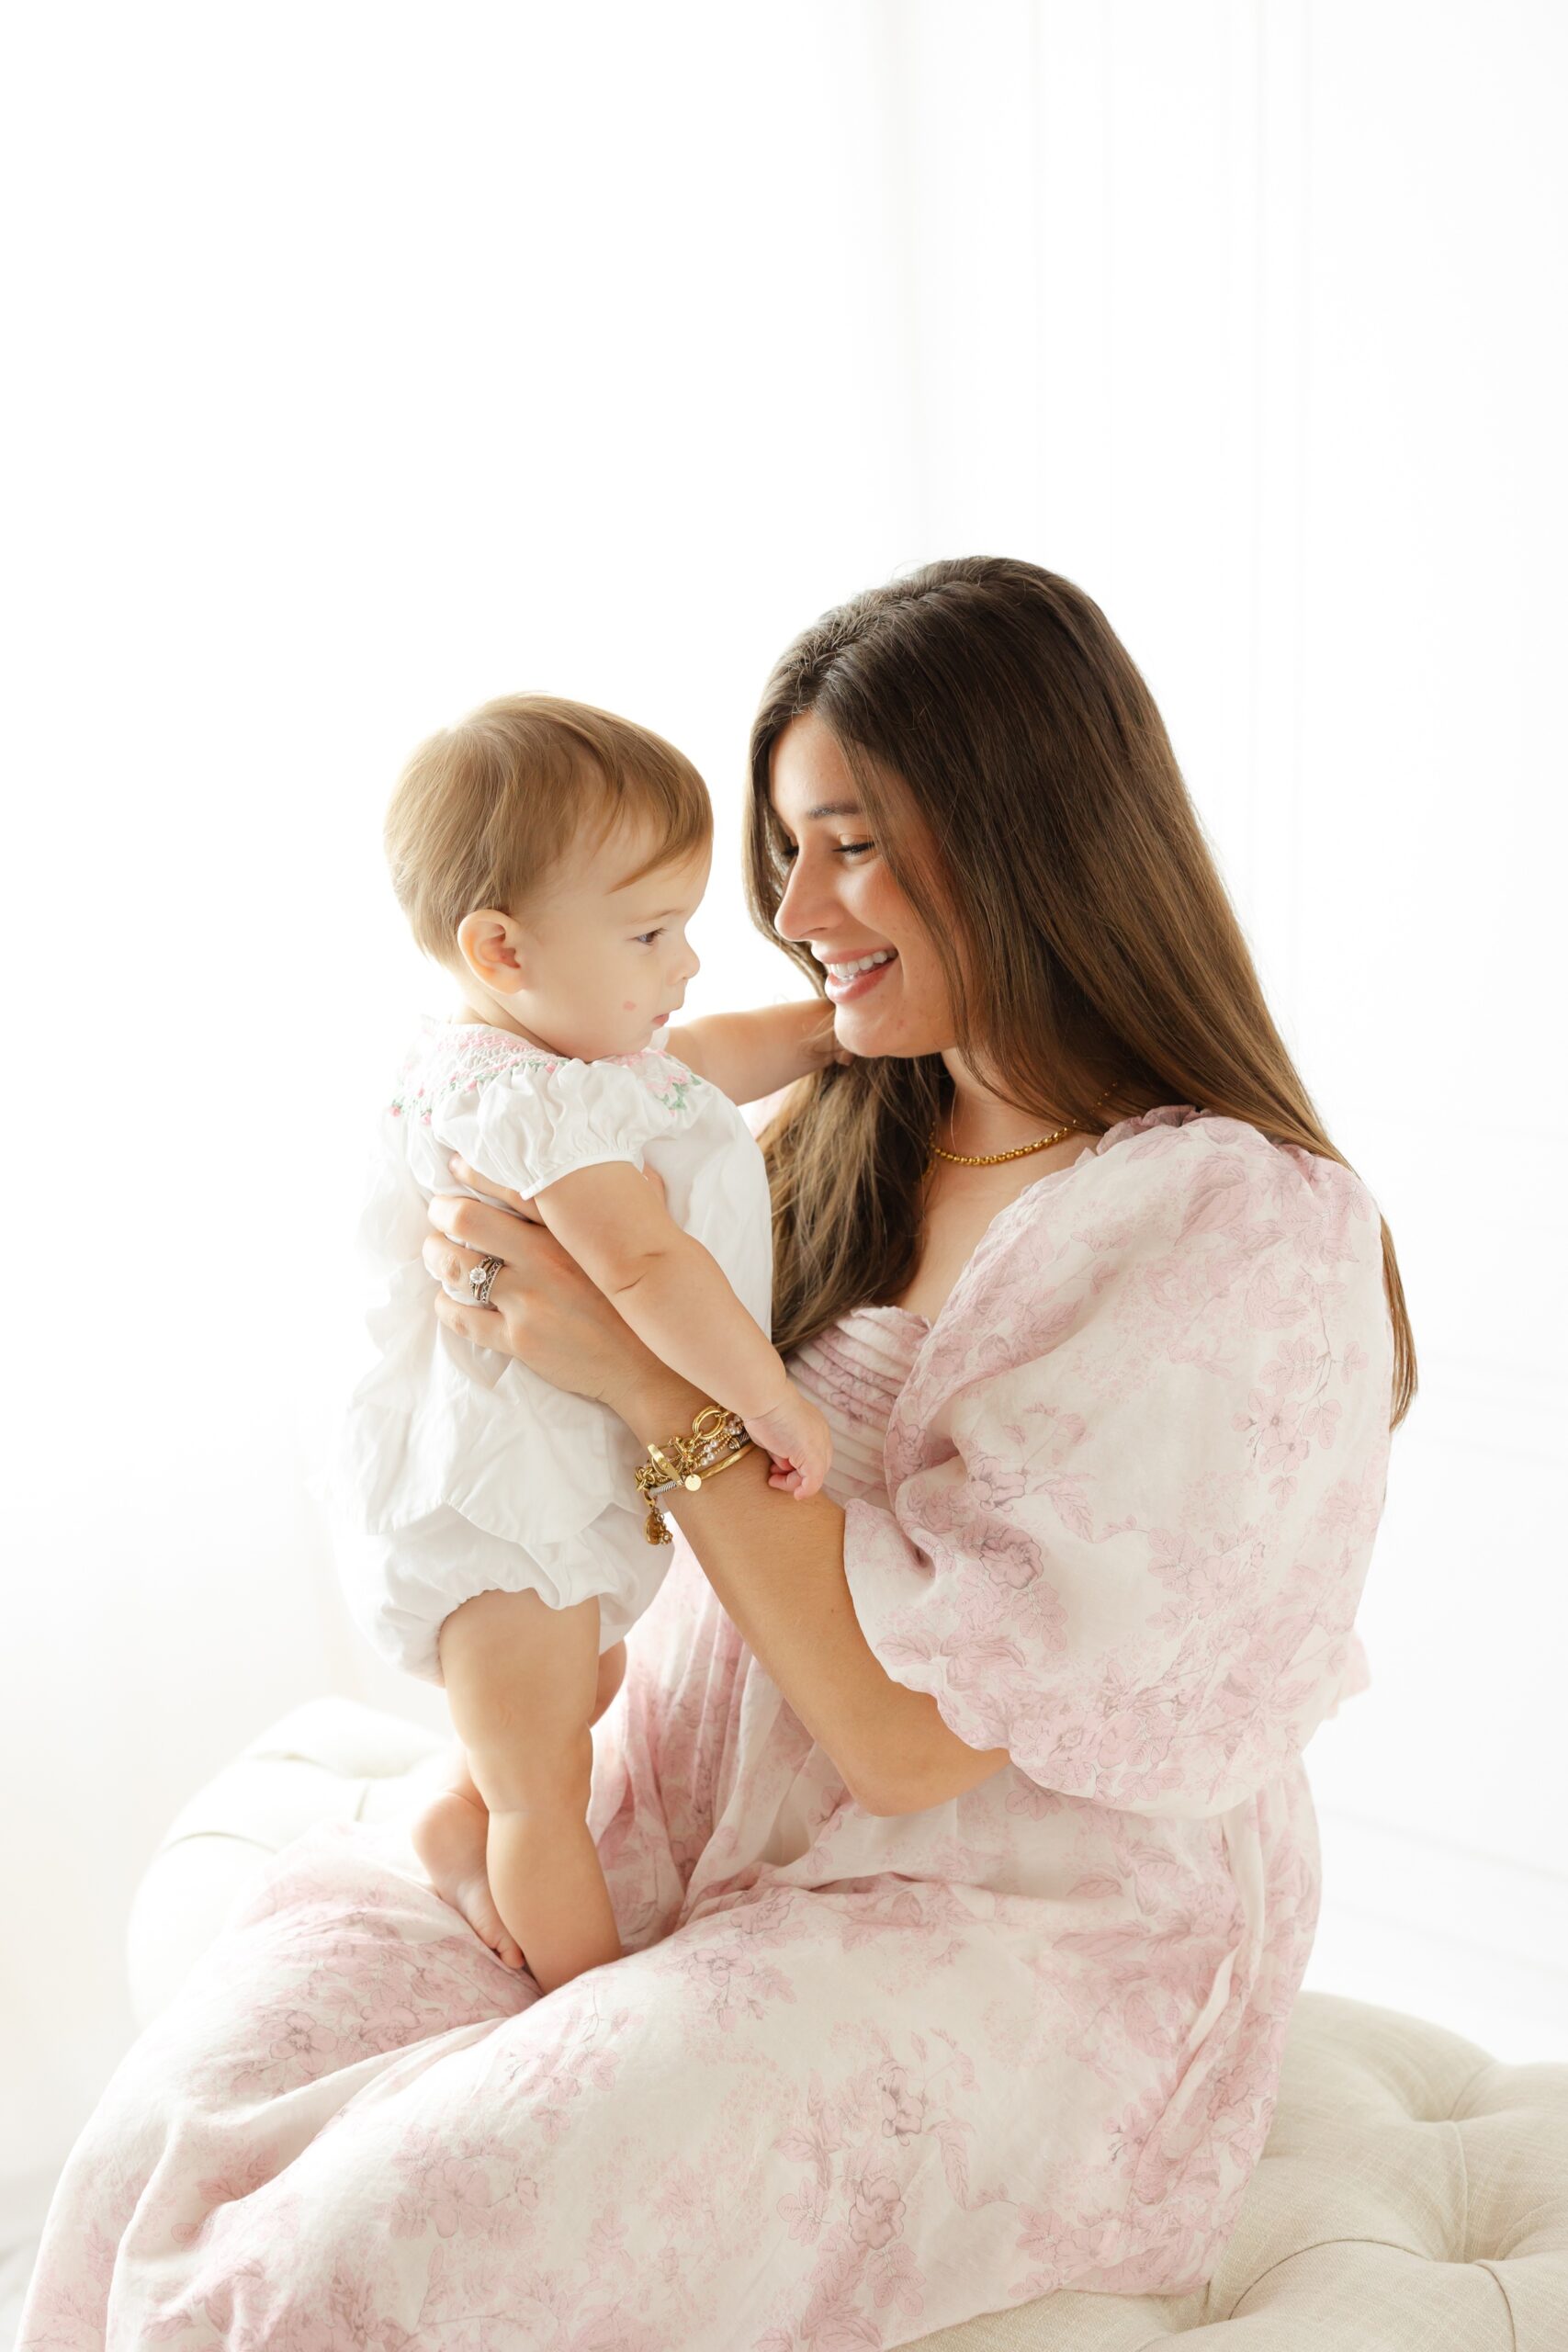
x=1414 y=2192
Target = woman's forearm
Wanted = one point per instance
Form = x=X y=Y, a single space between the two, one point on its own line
x=777 y=1567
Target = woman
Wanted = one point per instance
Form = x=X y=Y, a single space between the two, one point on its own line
x=956 y=1826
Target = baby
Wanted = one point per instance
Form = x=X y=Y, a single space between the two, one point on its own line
x=550 y=856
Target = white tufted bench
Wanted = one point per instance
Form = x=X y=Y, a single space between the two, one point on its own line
x=1412 y=2196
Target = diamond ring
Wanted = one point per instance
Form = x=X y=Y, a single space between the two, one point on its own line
x=482 y=1278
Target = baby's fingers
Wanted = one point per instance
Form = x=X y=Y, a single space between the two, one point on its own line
x=813 y=1456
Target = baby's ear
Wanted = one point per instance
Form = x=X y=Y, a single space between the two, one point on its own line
x=490 y=945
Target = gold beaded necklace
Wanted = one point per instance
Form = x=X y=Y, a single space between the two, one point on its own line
x=1019 y=1151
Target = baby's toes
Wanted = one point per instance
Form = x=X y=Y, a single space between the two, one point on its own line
x=480 y=1910
x=487 y=1925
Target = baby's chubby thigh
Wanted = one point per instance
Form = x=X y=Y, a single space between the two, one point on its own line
x=522 y=1682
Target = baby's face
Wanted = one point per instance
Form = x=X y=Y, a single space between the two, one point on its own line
x=605 y=959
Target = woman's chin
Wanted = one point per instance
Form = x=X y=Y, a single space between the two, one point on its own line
x=873 y=1037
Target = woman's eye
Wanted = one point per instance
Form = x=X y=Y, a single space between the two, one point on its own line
x=789 y=851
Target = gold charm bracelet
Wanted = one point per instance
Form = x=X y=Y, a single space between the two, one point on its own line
x=718 y=1437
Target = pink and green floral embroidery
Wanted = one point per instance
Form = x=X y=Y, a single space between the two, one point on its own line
x=465 y=1060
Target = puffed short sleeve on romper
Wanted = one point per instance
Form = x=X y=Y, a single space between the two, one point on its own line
x=1136 y=1476
x=542 y=1119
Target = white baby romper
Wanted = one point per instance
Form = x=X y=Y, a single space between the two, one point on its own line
x=461 y=1471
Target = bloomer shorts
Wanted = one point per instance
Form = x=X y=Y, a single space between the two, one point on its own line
x=402 y=1587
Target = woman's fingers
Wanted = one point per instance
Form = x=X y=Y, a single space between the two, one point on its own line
x=483 y=1324
x=455 y=1304
x=543 y=1309
x=492 y=1192
x=478 y=1226
x=452 y=1266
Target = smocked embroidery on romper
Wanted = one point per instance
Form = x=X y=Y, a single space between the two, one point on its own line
x=471 y=1062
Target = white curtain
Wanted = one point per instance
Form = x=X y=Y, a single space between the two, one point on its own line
x=375 y=361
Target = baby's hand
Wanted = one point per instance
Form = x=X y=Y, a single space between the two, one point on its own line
x=800 y=1441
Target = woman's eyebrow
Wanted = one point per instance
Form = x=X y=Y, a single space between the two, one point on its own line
x=824 y=808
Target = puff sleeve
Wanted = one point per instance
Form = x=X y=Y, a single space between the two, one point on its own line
x=1137 y=1470
x=539 y=1120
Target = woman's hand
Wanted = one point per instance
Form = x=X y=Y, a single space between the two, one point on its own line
x=543 y=1309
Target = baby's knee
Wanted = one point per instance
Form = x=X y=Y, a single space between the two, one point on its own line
x=520 y=1772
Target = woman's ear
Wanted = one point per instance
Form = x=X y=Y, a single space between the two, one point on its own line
x=491 y=943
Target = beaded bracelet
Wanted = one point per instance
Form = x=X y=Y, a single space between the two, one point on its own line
x=717 y=1439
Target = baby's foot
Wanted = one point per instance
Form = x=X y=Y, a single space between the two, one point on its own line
x=449 y=1838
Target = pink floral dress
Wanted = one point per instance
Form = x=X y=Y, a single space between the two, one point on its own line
x=858 y=2078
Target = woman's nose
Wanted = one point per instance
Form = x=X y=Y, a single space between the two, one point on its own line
x=797 y=913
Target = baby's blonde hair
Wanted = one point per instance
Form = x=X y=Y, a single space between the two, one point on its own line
x=485 y=810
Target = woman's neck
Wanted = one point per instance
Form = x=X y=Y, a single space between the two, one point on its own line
x=977 y=1120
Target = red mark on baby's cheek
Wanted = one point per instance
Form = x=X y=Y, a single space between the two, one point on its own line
x=628 y=1006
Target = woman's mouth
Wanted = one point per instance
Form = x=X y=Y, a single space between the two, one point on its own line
x=853 y=977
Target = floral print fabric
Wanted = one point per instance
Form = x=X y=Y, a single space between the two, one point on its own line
x=858 y=2078
x=1139 y=1573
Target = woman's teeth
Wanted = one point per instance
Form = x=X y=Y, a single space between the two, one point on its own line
x=849 y=978
x=861 y=963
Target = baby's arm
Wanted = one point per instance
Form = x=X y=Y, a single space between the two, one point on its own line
x=676 y=1298
x=749 y=1055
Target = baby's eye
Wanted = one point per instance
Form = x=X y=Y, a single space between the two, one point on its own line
x=646 y=938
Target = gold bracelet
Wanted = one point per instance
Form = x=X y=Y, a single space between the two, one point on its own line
x=718 y=1437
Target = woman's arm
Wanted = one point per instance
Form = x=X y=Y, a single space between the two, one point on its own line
x=748 y=1056
x=777 y=1566
x=779 y=1573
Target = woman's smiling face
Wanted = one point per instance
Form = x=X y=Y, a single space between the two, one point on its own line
x=842 y=902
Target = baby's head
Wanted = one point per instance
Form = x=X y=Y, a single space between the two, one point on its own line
x=550 y=856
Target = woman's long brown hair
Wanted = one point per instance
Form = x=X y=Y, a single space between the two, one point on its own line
x=1094 y=964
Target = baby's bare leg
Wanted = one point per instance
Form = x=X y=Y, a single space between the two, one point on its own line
x=451 y=1828
x=448 y=1836
x=522 y=1679
x=612 y=1672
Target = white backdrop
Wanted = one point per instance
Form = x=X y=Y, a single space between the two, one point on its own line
x=373 y=360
